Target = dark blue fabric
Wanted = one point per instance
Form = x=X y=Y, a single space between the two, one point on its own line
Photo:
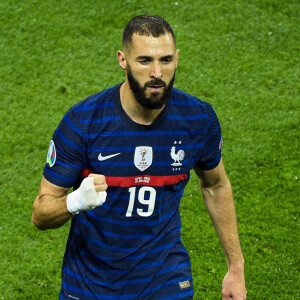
x=118 y=252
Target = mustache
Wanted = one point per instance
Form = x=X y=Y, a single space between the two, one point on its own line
x=155 y=82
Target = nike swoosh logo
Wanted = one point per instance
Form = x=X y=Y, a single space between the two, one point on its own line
x=101 y=158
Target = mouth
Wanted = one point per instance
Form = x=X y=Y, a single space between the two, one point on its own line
x=155 y=88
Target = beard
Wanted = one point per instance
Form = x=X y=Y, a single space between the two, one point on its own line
x=156 y=100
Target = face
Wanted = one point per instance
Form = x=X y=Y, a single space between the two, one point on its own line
x=150 y=65
x=154 y=94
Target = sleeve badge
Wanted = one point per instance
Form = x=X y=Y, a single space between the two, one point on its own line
x=51 y=155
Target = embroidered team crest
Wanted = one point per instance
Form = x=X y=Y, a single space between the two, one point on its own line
x=177 y=156
x=143 y=157
x=51 y=156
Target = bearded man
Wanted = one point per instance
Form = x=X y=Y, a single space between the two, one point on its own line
x=127 y=152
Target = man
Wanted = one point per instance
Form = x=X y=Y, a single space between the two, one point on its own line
x=128 y=152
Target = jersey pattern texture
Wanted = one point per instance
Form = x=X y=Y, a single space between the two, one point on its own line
x=130 y=247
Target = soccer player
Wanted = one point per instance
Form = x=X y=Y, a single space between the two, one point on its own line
x=127 y=152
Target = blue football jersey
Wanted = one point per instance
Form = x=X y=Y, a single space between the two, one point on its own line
x=130 y=247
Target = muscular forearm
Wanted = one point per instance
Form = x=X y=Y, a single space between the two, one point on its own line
x=219 y=202
x=50 y=212
x=217 y=194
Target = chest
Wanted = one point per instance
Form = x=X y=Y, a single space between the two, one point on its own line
x=157 y=152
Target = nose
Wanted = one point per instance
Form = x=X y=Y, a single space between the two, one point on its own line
x=156 y=70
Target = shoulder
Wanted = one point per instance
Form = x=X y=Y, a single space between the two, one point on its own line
x=80 y=116
x=180 y=98
x=93 y=105
x=97 y=100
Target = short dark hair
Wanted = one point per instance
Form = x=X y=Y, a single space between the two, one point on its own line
x=146 y=25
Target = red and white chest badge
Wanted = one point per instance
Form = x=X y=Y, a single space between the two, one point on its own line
x=143 y=157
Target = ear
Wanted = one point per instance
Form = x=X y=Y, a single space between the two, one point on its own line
x=177 y=57
x=122 y=60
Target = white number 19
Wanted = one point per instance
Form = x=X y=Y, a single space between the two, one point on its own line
x=141 y=197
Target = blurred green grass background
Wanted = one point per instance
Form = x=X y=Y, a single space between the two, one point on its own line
x=241 y=56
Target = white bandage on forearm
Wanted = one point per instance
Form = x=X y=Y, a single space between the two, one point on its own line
x=85 y=197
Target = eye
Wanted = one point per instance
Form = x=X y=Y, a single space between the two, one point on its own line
x=144 y=61
x=167 y=60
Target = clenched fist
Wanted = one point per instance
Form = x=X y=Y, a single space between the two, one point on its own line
x=91 y=193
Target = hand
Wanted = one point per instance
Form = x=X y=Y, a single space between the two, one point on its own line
x=99 y=182
x=91 y=193
x=234 y=287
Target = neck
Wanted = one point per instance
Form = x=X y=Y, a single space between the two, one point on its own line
x=134 y=110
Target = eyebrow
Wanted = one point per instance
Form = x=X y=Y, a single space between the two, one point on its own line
x=171 y=56
x=150 y=58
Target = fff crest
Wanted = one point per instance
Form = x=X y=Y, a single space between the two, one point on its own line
x=143 y=157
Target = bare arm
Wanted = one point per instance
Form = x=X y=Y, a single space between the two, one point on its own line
x=218 y=198
x=52 y=206
x=49 y=207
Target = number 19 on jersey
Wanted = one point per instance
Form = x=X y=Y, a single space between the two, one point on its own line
x=146 y=196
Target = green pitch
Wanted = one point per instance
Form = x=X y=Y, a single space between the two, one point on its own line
x=241 y=56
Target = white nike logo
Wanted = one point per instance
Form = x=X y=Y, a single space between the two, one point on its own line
x=101 y=158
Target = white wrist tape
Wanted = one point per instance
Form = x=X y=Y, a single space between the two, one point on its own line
x=85 y=197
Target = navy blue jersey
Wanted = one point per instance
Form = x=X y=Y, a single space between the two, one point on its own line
x=130 y=247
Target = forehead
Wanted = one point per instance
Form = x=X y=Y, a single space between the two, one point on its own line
x=151 y=46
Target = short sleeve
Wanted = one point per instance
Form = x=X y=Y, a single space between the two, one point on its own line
x=66 y=153
x=211 y=154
